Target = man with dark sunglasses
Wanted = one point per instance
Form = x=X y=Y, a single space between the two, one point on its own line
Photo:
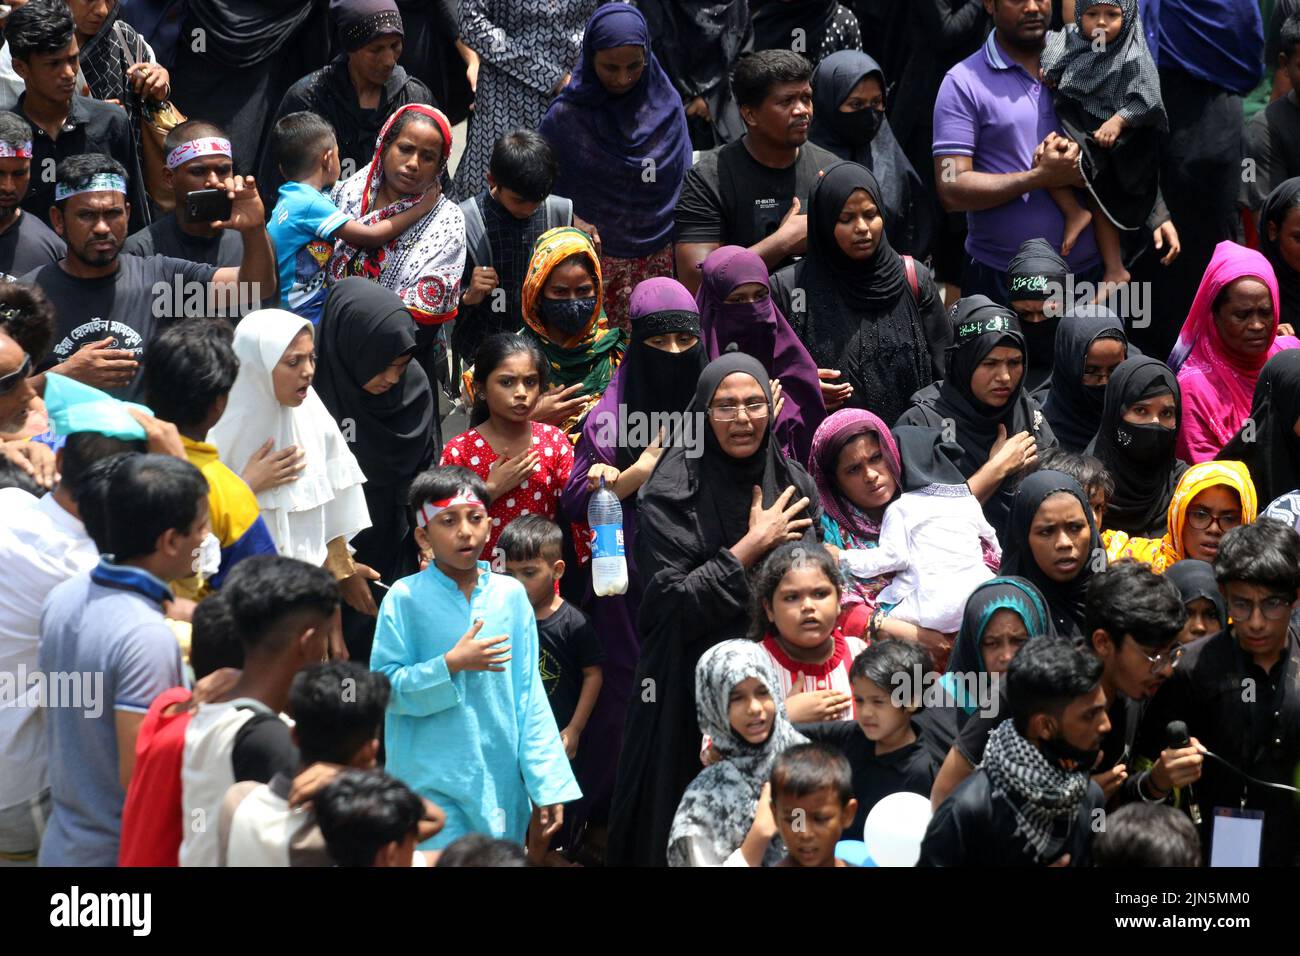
x=16 y=393
x=1238 y=691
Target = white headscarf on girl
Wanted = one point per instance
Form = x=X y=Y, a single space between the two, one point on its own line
x=326 y=500
x=718 y=807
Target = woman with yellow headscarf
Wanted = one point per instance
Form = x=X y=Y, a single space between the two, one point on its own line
x=1211 y=499
x=565 y=316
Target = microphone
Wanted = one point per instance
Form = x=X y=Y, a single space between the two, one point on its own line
x=1177 y=737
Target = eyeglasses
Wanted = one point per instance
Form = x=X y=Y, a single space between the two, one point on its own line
x=1273 y=609
x=1201 y=519
x=9 y=382
x=1169 y=657
x=730 y=411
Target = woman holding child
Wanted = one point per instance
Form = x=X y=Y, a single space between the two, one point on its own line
x=424 y=264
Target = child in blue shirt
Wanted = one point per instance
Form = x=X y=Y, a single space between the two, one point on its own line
x=304 y=223
x=468 y=724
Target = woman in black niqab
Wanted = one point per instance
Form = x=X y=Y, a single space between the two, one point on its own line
x=1140 y=458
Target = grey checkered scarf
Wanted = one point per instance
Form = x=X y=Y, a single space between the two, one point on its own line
x=1044 y=798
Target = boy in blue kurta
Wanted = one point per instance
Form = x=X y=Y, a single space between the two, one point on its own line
x=468 y=723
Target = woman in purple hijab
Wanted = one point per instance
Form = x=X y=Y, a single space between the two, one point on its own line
x=657 y=379
x=737 y=313
x=620 y=132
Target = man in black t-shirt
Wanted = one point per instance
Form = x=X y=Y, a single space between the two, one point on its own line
x=193 y=151
x=109 y=305
x=754 y=192
x=26 y=243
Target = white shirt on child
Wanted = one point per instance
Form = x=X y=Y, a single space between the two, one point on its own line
x=933 y=539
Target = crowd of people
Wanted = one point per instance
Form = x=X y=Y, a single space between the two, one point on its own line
x=941 y=355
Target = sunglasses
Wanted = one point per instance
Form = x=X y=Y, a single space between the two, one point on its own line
x=9 y=382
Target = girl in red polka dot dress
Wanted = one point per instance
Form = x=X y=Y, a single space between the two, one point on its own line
x=526 y=464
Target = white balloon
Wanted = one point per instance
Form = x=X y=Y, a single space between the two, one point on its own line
x=895 y=827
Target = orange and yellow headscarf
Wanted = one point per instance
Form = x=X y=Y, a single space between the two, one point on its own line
x=591 y=356
x=1160 y=553
x=553 y=247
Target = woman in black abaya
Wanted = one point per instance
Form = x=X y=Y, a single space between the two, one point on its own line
x=699 y=534
x=1279 y=240
x=857 y=312
x=698 y=44
x=385 y=408
x=982 y=403
x=1138 y=451
x=1052 y=502
x=1089 y=347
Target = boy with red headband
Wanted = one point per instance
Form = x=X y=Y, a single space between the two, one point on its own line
x=483 y=746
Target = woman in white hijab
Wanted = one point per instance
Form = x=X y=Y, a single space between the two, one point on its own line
x=314 y=514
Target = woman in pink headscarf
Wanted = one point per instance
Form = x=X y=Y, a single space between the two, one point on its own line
x=1229 y=334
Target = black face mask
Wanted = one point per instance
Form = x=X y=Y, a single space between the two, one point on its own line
x=569 y=316
x=860 y=128
x=1095 y=395
x=1040 y=342
x=1145 y=444
x=1069 y=757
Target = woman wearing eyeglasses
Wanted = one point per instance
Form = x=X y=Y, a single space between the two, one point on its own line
x=737 y=313
x=1211 y=499
x=710 y=512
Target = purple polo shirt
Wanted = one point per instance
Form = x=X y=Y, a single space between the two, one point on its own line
x=991 y=109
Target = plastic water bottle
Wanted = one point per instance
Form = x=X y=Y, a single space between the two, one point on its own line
x=608 y=563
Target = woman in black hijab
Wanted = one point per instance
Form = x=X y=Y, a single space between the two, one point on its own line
x=1267 y=442
x=367 y=31
x=1206 y=612
x=1135 y=442
x=1053 y=543
x=859 y=314
x=1279 y=241
x=698 y=44
x=983 y=402
x=849 y=120
x=1090 y=345
x=385 y=409
x=697 y=540
x=1036 y=280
